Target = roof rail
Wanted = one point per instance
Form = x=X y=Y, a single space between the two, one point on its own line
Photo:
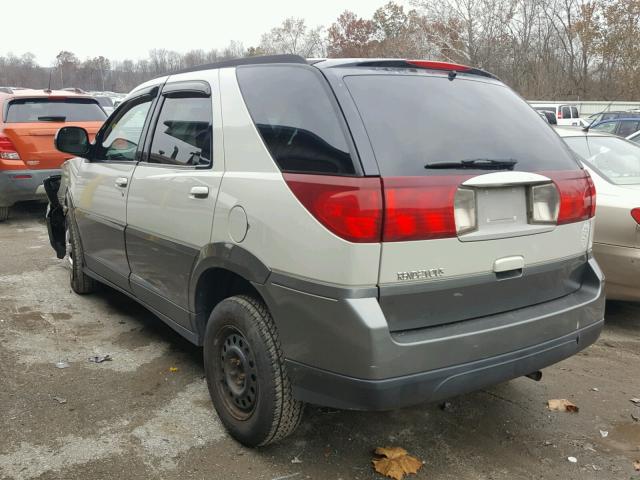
x=6 y=90
x=244 y=61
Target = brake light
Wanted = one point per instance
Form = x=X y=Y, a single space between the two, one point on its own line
x=439 y=65
x=421 y=208
x=577 y=195
x=350 y=207
x=559 y=116
x=7 y=149
x=635 y=213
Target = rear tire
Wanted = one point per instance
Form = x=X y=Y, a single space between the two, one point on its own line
x=245 y=372
x=4 y=213
x=80 y=282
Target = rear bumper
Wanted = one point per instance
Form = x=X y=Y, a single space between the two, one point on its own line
x=621 y=266
x=339 y=391
x=340 y=352
x=14 y=189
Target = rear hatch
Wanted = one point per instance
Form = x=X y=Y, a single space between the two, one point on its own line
x=485 y=209
x=30 y=125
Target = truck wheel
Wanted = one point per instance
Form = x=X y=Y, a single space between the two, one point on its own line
x=245 y=373
x=81 y=283
x=4 y=213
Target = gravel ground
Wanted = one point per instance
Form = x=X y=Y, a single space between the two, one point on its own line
x=133 y=417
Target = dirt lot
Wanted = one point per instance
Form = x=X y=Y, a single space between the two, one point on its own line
x=134 y=418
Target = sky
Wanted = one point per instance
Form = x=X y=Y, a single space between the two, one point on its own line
x=119 y=29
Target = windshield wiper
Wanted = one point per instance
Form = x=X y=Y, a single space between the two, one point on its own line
x=52 y=118
x=476 y=164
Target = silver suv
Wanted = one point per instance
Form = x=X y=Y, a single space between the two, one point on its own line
x=359 y=234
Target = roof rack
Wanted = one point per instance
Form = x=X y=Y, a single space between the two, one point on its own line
x=244 y=61
x=452 y=68
x=6 y=90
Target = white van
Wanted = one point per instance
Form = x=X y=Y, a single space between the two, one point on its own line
x=565 y=114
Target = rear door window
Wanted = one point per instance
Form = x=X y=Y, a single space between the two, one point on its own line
x=298 y=120
x=415 y=120
x=566 y=112
x=184 y=132
x=627 y=127
x=33 y=110
x=574 y=113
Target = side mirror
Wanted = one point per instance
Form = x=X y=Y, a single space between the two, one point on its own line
x=73 y=140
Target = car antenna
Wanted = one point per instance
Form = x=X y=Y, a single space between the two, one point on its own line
x=606 y=109
x=48 y=90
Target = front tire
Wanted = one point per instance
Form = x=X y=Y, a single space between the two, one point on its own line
x=80 y=282
x=245 y=372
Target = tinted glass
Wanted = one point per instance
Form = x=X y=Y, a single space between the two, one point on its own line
x=184 y=132
x=566 y=112
x=25 y=110
x=297 y=119
x=608 y=127
x=413 y=120
x=627 y=127
x=122 y=135
x=609 y=116
x=574 y=112
x=105 y=101
x=615 y=158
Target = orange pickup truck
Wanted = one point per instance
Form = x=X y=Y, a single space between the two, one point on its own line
x=29 y=120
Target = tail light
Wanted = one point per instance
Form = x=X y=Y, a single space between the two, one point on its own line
x=7 y=149
x=559 y=116
x=350 y=207
x=635 y=213
x=422 y=208
x=577 y=196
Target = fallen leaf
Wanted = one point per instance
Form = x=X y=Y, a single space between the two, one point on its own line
x=562 y=405
x=395 y=462
x=636 y=465
x=173 y=369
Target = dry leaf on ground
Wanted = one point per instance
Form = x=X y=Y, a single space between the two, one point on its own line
x=636 y=465
x=395 y=462
x=562 y=405
x=173 y=369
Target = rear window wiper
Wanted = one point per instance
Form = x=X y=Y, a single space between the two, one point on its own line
x=476 y=164
x=52 y=118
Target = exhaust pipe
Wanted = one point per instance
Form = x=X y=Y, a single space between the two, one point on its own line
x=537 y=376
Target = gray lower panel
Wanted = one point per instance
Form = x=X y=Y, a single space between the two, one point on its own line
x=446 y=301
x=325 y=388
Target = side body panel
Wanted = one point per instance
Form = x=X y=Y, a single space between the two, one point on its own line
x=167 y=225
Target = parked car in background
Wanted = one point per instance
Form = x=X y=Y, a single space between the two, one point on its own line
x=611 y=115
x=549 y=116
x=621 y=127
x=29 y=120
x=614 y=164
x=341 y=246
x=106 y=103
x=565 y=114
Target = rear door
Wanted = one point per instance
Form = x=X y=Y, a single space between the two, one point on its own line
x=465 y=240
x=100 y=192
x=173 y=193
x=31 y=124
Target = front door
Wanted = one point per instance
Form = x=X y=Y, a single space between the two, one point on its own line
x=100 y=194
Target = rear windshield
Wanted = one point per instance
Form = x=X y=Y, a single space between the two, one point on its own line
x=614 y=158
x=415 y=120
x=29 y=110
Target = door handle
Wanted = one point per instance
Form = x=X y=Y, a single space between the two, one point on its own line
x=122 y=182
x=199 y=192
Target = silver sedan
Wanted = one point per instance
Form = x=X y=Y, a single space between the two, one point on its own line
x=614 y=165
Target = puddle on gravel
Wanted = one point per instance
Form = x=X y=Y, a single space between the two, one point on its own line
x=625 y=437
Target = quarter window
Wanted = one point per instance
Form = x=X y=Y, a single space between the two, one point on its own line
x=122 y=135
x=298 y=120
x=184 y=132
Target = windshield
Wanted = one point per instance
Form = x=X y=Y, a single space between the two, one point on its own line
x=30 y=110
x=414 y=120
x=615 y=158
